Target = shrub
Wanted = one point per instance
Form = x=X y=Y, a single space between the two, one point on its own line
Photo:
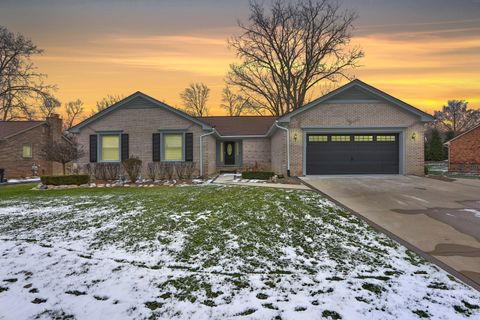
x=132 y=167
x=261 y=175
x=107 y=171
x=59 y=180
x=168 y=170
x=152 y=170
x=89 y=169
x=425 y=170
x=179 y=169
x=189 y=169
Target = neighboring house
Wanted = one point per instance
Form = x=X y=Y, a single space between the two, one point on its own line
x=21 y=143
x=355 y=129
x=464 y=152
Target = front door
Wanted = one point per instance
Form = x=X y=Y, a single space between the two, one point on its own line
x=229 y=152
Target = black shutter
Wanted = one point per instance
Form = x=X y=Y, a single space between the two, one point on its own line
x=156 y=147
x=93 y=148
x=188 y=146
x=124 y=147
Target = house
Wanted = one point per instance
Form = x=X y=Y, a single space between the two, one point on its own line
x=21 y=144
x=355 y=129
x=464 y=152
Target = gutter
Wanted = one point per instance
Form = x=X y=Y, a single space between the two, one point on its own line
x=201 y=149
x=288 y=146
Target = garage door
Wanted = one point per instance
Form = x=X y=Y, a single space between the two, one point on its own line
x=352 y=153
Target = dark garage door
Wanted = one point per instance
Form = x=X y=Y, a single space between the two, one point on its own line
x=352 y=153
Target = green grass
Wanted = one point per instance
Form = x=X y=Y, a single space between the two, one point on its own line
x=212 y=241
x=209 y=217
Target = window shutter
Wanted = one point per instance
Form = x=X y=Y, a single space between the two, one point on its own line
x=124 y=147
x=188 y=146
x=93 y=148
x=156 y=147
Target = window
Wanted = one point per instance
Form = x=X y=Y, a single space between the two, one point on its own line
x=363 y=138
x=385 y=138
x=27 y=151
x=173 y=146
x=317 y=138
x=110 y=148
x=221 y=151
x=340 y=138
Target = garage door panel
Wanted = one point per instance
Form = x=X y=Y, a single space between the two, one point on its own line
x=352 y=154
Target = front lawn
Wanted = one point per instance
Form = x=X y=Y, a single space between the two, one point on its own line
x=208 y=252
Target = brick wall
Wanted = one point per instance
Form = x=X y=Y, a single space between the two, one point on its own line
x=11 y=153
x=358 y=115
x=256 y=153
x=464 y=153
x=140 y=123
x=279 y=152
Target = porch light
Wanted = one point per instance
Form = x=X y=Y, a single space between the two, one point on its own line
x=414 y=136
x=295 y=136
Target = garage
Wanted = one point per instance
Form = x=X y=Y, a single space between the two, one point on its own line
x=364 y=153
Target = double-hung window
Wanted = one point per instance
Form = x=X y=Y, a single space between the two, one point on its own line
x=110 y=148
x=173 y=147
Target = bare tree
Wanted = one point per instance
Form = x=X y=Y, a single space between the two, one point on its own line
x=22 y=87
x=235 y=104
x=456 y=118
x=63 y=152
x=74 y=111
x=195 y=98
x=292 y=49
x=49 y=106
x=106 y=102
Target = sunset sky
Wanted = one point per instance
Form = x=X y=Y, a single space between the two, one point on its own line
x=421 y=51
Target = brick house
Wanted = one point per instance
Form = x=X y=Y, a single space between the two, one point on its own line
x=354 y=129
x=21 y=143
x=464 y=152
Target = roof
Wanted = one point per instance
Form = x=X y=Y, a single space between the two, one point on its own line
x=11 y=128
x=240 y=126
x=125 y=101
x=462 y=134
x=425 y=117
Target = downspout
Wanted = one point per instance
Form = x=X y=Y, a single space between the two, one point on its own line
x=288 y=146
x=201 y=150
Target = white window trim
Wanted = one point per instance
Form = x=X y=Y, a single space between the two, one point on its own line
x=162 y=145
x=100 y=151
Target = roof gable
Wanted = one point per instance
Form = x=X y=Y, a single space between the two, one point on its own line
x=477 y=127
x=138 y=100
x=358 y=91
x=354 y=93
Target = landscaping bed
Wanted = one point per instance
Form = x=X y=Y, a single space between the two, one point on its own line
x=202 y=252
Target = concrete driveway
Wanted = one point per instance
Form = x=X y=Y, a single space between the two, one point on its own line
x=439 y=218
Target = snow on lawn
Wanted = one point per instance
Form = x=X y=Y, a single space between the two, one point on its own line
x=209 y=252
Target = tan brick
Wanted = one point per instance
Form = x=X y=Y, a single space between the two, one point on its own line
x=140 y=124
x=357 y=115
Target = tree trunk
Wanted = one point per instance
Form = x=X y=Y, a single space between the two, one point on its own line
x=63 y=168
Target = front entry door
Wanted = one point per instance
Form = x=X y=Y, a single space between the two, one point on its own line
x=229 y=152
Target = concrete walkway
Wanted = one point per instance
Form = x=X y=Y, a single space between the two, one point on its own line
x=235 y=179
x=440 y=218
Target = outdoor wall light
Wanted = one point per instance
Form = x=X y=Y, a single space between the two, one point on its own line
x=295 y=136
x=414 y=136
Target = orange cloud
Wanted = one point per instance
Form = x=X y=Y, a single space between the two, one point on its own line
x=424 y=68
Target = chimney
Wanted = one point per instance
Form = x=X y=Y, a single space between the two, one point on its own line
x=55 y=123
